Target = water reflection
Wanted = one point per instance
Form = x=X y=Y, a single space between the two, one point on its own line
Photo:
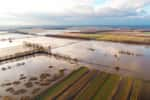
x=30 y=76
x=133 y=58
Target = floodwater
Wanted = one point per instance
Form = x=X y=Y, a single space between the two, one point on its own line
x=30 y=76
x=42 y=32
x=6 y=36
x=12 y=39
x=21 y=77
x=52 y=32
x=133 y=59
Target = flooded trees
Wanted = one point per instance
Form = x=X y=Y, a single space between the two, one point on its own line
x=38 y=47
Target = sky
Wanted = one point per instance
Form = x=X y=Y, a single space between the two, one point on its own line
x=74 y=12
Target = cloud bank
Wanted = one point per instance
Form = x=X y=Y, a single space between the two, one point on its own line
x=74 y=12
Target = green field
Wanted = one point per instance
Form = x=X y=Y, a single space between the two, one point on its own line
x=124 y=89
x=92 y=87
x=86 y=84
x=61 y=86
x=146 y=32
x=72 y=91
x=117 y=38
x=108 y=89
x=135 y=90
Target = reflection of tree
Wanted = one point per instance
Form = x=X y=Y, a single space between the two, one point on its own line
x=10 y=40
x=117 y=59
x=112 y=51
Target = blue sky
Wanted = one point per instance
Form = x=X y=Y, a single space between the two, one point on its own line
x=97 y=2
x=75 y=12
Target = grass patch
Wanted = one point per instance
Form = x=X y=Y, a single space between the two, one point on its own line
x=117 y=38
x=135 y=90
x=146 y=32
x=107 y=90
x=61 y=86
x=145 y=91
x=91 y=36
x=92 y=87
x=124 y=89
x=76 y=87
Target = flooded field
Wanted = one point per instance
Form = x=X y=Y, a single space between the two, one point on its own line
x=32 y=74
x=28 y=77
x=6 y=36
x=133 y=59
x=51 y=32
x=14 y=50
x=53 y=42
x=43 y=32
x=12 y=39
x=128 y=58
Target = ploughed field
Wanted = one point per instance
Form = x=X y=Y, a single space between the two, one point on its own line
x=90 y=84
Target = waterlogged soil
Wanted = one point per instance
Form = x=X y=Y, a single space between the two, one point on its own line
x=30 y=76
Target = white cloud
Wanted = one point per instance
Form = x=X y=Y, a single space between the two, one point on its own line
x=122 y=7
x=12 y=10
x=54 y=11
x=51 y=6
x=126 y=3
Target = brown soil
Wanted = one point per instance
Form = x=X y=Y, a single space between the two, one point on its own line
x=145 y=92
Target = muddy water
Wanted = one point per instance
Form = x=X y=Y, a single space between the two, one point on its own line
x=133 y=59
x=32 y=75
